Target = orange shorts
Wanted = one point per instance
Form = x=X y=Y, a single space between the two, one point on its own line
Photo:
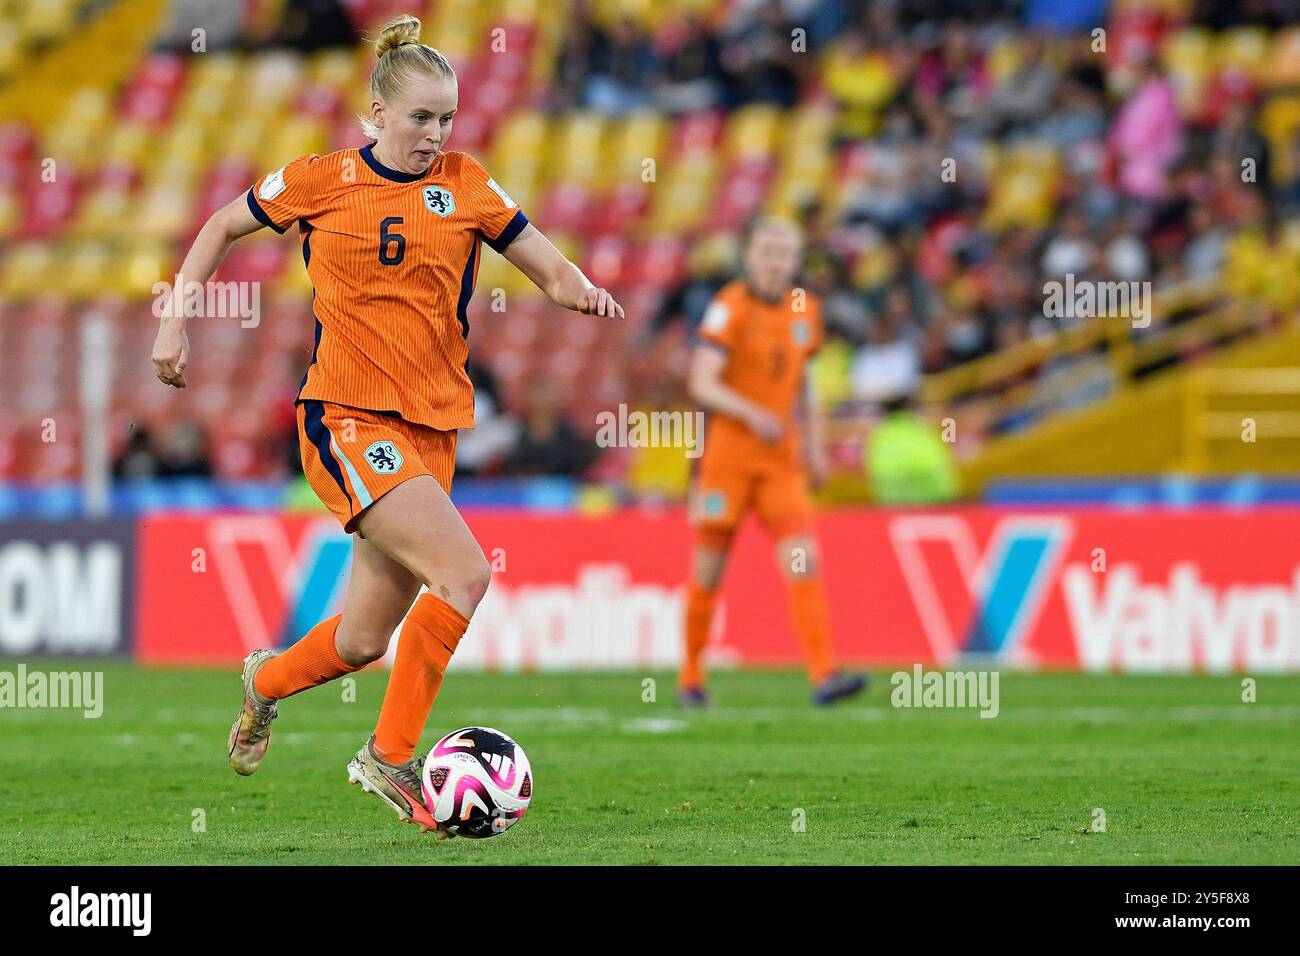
x=353 y=457
x=722 y=496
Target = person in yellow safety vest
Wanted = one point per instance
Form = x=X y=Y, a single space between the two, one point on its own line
x=907 y=461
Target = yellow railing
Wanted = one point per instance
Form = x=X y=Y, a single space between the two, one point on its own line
x=1238 y=419
x=992 y=388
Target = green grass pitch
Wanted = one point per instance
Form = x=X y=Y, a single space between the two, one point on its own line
x=1184 y=771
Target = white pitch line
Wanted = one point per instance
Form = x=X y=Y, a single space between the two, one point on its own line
x=585 y=717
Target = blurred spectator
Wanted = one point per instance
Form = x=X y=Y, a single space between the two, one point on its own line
x=139 y=461
x=1147 y=137
x=1204 y=255
x=482 y=449
x=907 y=461
x=186 y=452
x=861 y=80
x=712 y=263
x=951 y=72
x=1071 y=250
x=759 y=59
x=184 y=455
x=573 y=62
x=1027 y=92
x=622 y=64
x=691 y=58
x=548 y=444
x=890 y=362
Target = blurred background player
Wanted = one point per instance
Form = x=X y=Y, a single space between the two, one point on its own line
x=749 y=374
x=390 y=237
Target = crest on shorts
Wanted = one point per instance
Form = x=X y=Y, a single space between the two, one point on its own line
x=439 y=200
x=384 y=458
x=712 y=504
x=800 y=332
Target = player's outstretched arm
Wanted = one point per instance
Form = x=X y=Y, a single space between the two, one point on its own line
x=705 y=385
x=534 y=255
x=171 y=347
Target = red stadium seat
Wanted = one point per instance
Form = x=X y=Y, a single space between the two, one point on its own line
x=150 y=96
x=567 y=208
x=697 y=131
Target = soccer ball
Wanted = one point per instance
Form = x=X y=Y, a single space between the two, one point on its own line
x=477 y=782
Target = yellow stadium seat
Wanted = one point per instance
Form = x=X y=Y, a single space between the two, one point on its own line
x=242 y=139
x=219 y=69
x=801 y=183
x=88 y=268
x=630 y=142
x=579 y=147
x=142 y=264
x=1284 y=67
x=751 y=132
x=685 y=196
x=270 y=81
x=520 y=11
x=76 y=134
x=459 y=28
x=9 y=207
x=103 y=214
x=1279 y=121
x=522 y=132
x=185 y=145
x=48 y=20
x=334 y=68
x=128 y=143
x=9 y=50
x=1246 y=49
x=27 y=270
x=294 y=137
x=164 y=209
x=1187 y=58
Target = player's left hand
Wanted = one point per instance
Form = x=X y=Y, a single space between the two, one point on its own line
x=597 y=301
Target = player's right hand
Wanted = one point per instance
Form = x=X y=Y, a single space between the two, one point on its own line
x=171 y=353
x=766 y=426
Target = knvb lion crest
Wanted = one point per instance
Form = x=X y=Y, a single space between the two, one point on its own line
x=439 y=200
x=384 y=458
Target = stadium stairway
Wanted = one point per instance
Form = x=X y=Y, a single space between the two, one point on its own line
x=1235 y=412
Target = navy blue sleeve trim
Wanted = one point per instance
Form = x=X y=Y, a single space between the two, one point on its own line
x=511 y=232
x=260 y=214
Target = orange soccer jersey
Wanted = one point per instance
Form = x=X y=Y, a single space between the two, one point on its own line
x=393 y=258
x=767 y=345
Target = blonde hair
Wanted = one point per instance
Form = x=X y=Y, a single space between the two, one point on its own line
x=400 y=54
x=771 y=223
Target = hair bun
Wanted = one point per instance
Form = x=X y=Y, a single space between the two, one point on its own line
x=399 y=32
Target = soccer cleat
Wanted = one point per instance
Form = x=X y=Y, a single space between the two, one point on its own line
x=836 y=687
x=251 y=733
x=692 y=698
x=398 y=785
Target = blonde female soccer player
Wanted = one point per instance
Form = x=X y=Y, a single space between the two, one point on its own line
x=391 y=240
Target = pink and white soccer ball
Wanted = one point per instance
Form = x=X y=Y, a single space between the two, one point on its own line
x=477 y=782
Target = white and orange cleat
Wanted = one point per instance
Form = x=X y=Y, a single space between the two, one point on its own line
x=398 y=785
x=251 y=733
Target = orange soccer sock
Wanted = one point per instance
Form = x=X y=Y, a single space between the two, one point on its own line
x=699 y=618
x=812 y=622
x=428 y=638
x=314 y=660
